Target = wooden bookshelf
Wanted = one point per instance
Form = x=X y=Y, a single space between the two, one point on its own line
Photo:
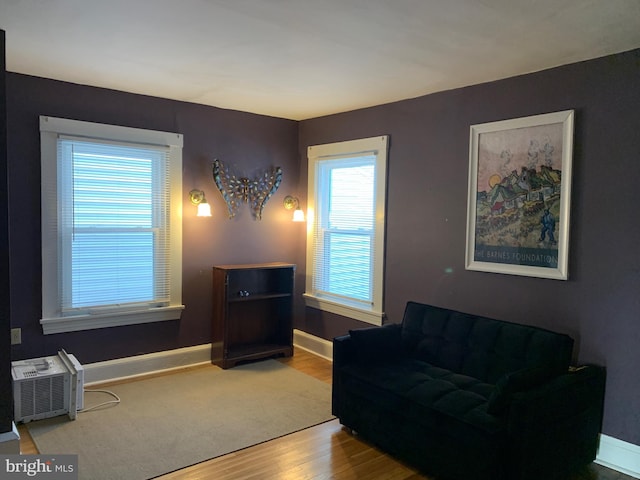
x=252 y=312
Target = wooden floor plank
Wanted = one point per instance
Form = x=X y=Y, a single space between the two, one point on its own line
x=326 y=451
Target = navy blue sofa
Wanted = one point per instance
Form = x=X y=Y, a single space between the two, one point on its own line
x=465 y=397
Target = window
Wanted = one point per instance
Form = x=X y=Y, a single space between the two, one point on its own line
x=111 y=225
x=345 y=241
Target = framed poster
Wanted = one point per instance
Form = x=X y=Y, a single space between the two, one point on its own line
x=519 y=196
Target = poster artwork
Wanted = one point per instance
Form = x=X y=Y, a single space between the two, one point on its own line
x=519 y=177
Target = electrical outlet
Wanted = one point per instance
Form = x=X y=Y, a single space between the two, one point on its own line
x=16 y=336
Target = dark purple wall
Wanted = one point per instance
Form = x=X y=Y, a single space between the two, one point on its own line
x=244 y=141
x=6 y=405
x=427 y=204
x=428 y=167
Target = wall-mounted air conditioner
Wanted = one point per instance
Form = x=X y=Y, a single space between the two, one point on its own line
x=47 y=387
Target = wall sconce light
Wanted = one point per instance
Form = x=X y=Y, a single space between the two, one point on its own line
x=291 y=203
x=197 y=198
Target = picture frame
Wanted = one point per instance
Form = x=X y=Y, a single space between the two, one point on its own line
x=519 y=196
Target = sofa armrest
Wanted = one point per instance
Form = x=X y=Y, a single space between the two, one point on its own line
x=555 y=427
x=343 y=354
x=377 y=344
x=343 y=351
x=365 y=346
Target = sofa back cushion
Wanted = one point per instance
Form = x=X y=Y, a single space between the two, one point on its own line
x=481 y=347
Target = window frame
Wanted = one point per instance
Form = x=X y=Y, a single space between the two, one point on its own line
x=53 y=321
x=343 y=151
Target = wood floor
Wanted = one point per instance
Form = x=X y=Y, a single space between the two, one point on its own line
x=326 y=451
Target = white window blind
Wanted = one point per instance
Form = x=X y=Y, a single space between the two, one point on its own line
x=344 y=228
x=111 y=225
x=115 y=225
x=345 y=245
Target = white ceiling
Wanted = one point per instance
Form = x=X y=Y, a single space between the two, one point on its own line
x=300 y=59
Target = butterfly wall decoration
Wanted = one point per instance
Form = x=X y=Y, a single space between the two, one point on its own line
x=239 y=190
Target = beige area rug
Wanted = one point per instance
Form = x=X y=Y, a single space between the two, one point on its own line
x=166 y=423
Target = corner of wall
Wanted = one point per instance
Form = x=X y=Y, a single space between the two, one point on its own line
x=319 y=346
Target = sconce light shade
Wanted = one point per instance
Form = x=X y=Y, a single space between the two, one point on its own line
x=298 y=215
x=291 y=203
x=204 y=209
x=197 y=198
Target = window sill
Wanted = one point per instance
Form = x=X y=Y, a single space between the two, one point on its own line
x=90 y=322
x=344 y=309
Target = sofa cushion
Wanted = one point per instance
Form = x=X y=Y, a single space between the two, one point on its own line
x=480 y=347
x=430 y=396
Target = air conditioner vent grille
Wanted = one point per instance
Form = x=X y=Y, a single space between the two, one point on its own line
x=43 y=395
x=57 y=393
x=26 y=399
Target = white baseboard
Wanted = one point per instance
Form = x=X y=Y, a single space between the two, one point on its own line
x=618 y=455
x=10 y=441
x=319 y=346
x=139 y=365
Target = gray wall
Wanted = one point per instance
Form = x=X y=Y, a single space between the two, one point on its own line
x=427 y=204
